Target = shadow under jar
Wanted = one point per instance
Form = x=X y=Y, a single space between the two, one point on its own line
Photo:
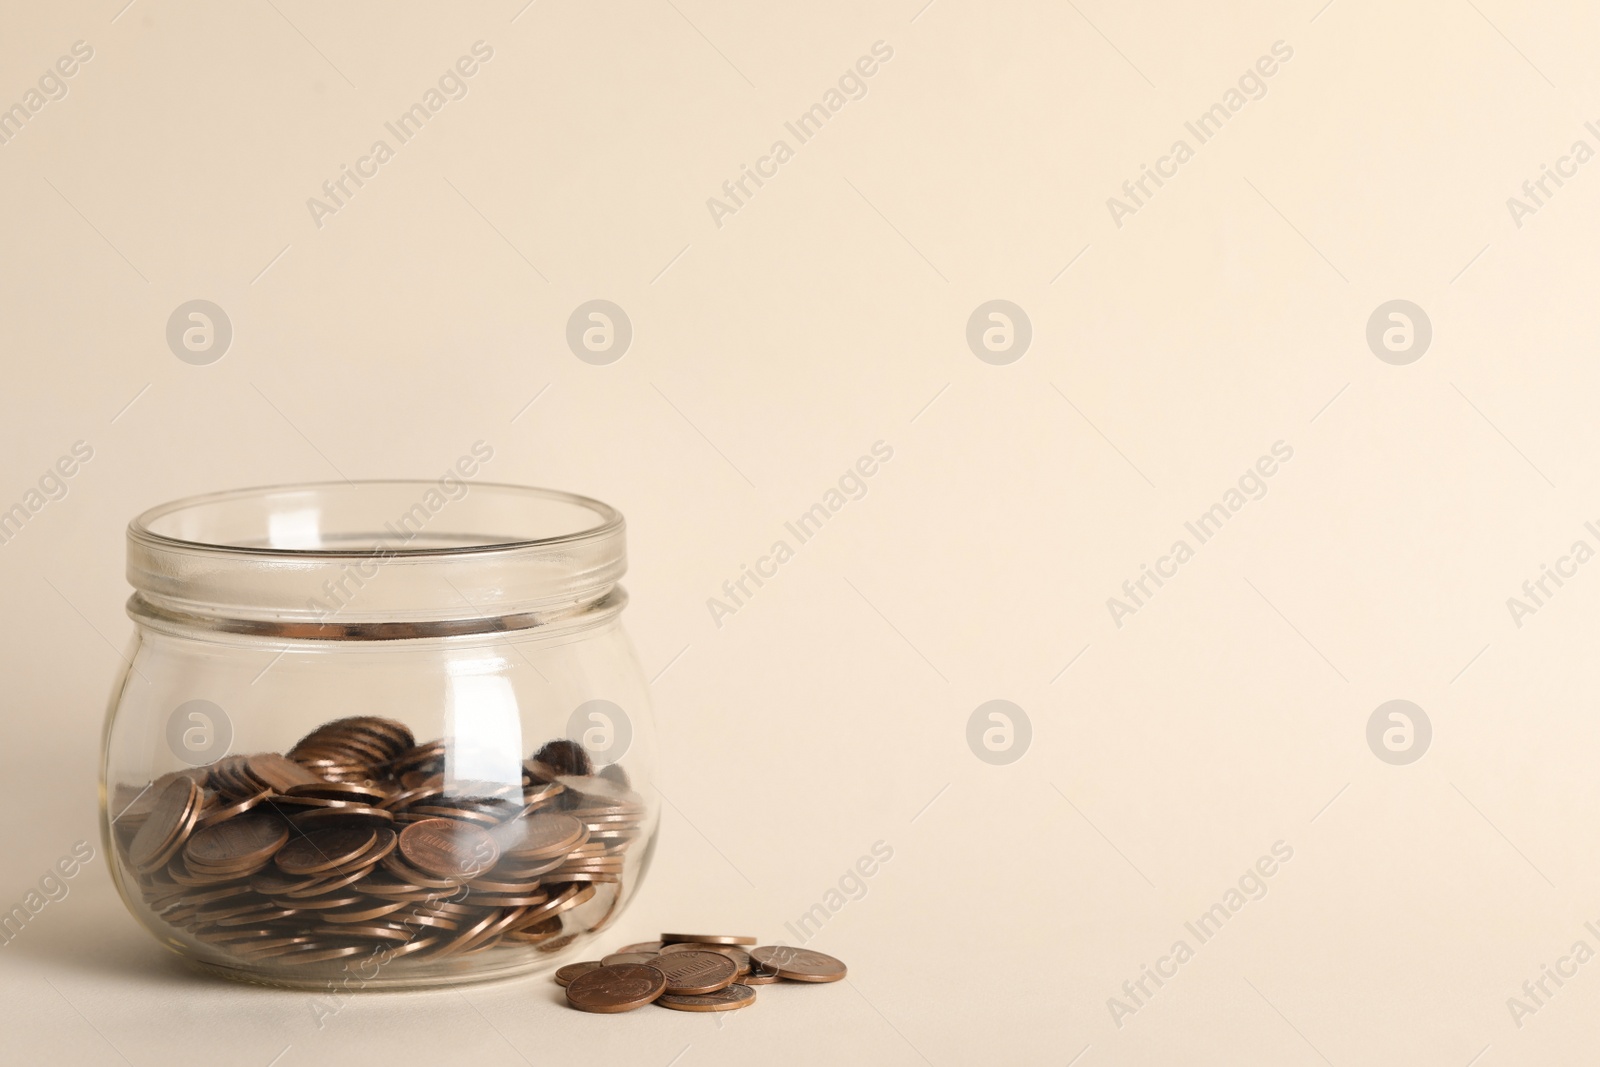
x=378 y=734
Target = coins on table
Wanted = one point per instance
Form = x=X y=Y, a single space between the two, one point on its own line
x=352 y=844
x=738 y=955
x=693 y=975
x=725 y=999
x=706 y=939
x=565 y=975
x=696 y=972
x=797 y=964
x=615 y=989
x=616 y=959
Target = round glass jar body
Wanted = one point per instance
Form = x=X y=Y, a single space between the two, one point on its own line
x=378 y=734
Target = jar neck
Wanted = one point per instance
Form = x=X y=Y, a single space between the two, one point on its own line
x=332 y=561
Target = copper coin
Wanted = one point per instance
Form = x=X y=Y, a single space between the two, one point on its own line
x=696 y=972
x=211 y=896
x=544 y=934
x=334 y=900
x=342 y=815
x=271 y=946
x=416 y=918
x=733 y=952
x=277 y=772
x=615 y=989
x=167 y=826
x=708 y=939
x=798 y=964
x=479 y=938
x=555 y=944
x=617 y=959
x=651 y=947
x=416 y=944
x=271 y=882
x=563 y=756
x=490 y=886
x=472 y=933
x=353 y=791
x=365 y=911
x=447 y=848
x=318 y=953
x=541 y=836
x=324 y=886
x=402 y=871
x=565 y=975
x=438 y=811
x=507 y=900
x=567 y=899
x=213 y=814
x=377 y=931
x=257 y=917
x=725 y=999
x=243 y=841
x=327 y=849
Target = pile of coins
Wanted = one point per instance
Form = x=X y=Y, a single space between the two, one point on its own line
x=351 y=846
x=690 y=972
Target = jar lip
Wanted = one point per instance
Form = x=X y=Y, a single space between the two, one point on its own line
x=140 y=528
x=375 y=552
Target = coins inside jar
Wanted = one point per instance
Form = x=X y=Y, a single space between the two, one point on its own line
x=352 y=845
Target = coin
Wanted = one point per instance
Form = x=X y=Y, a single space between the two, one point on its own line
x=397 y=867
x=617 y=959
x=336 y=791
x=444 y=847
x=733 y=952
x=726 y=999
x=248 y=840
x=609 y=990
x=708 y=939
x=214 y=814
x=564 y=757
x=362 y=912
x=651 y=947
x=540 y=836
x=565 y=975
x=166 y=827
x=798 y=964
x=342 y=815
x=507 y=900
x=277 y=772
x=326 y=849
x=696 y=972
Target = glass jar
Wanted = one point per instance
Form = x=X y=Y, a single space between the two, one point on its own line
x=378 y=734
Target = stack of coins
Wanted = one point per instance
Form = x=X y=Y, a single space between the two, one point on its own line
x=351 y=846
x=690 y=972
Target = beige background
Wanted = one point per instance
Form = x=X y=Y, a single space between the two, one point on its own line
x=830 y=312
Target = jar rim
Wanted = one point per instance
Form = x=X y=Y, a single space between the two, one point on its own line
x=357 y=552
x=140 y=528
